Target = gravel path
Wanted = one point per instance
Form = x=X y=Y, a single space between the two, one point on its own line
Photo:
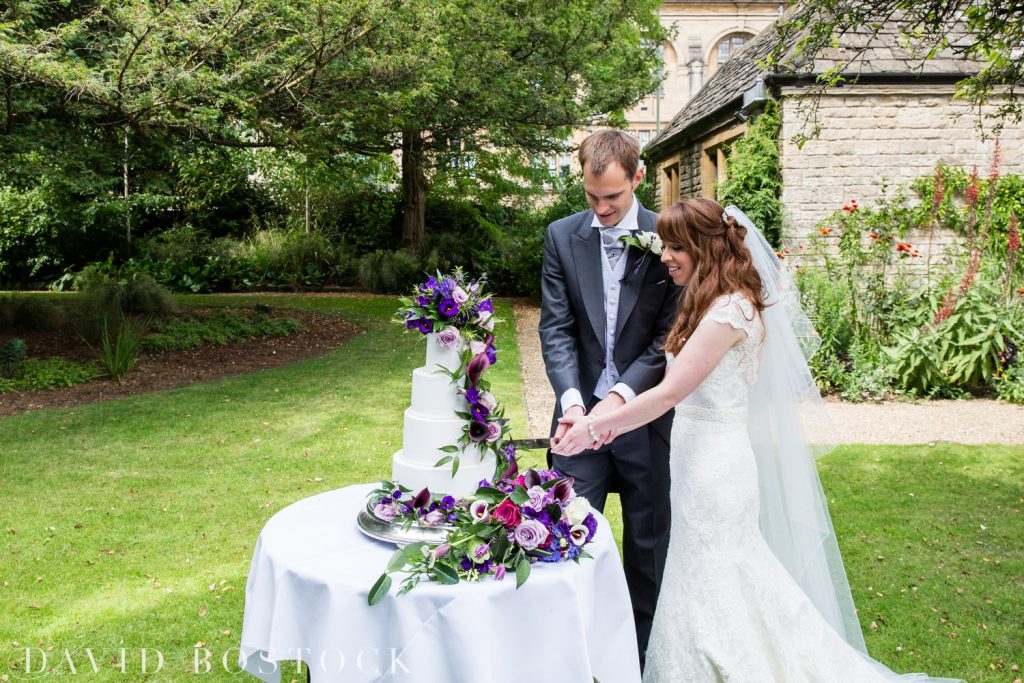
x=976 y=421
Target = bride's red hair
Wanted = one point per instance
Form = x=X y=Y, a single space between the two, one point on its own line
x=721 y=262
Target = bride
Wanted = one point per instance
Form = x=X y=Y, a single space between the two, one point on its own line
x=754 y=587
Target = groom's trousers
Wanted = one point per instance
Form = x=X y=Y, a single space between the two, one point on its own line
x=636 y=466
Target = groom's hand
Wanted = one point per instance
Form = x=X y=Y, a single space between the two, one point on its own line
x=573 y=411
x=607 y=404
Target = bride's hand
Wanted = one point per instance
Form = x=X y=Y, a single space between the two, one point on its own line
x=577 y=438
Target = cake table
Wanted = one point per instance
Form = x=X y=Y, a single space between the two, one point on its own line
x=306 y=593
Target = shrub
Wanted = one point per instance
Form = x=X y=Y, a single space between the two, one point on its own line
x=388 y=272
x=50 y=373
x=108 y=290
x=30 y=312
x=220 y=328
x=755 y=174
x=11 y=355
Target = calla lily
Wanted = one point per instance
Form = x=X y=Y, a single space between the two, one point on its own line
x=476 y=367
x=512 y=471
x=478 y=511
x=477 y=431
x=421 y=499
x=563 y=490
x=531 y=478
x=442 y=550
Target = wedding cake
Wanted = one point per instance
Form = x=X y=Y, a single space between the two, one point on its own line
x=431 y=424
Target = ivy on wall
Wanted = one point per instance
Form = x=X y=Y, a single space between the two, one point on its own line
x=754 y=182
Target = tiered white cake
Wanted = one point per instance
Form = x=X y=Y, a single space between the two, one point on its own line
x=431 y=424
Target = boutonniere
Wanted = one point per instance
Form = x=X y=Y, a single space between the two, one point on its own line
x=647 y=243
x=644 y=241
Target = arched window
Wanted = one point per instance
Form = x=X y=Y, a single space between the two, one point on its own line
x=726 y=48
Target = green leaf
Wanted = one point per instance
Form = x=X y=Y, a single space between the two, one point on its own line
x=522 y=571
x=489 y=494
x=444 y=574
x=380 y=589
x=397 y=560
x=519 y=496
x=444 y=461
x=449 y=449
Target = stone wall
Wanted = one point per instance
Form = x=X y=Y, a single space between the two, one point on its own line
x=878 y=135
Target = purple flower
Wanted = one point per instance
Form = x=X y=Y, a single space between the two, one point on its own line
x=510 y=452
x=476 y=368
x=499 y=573
x=446 y=287
x=449 y=337
x=563 y=490
x=396 y=495
x=466 y=564
x=434 y=518
x=530 y=534
x=473 y=395
x=479 y=552
x=477 y=431
x=448 y=308
x=425 y=325
x=447 y=503
x=493 y=431
x=422 y=301
x=510 y=473
x=591 y=523
x=484 y=482
x=486 y=306
x=539 y=498
x=492 y=355
x=428 y=286
x=384 y=511
x=422 y=498
x=441 y=550
x=479 y=412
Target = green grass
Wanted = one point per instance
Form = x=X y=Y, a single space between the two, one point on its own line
x=133 y=520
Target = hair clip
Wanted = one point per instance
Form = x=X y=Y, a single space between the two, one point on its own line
x=725 y=217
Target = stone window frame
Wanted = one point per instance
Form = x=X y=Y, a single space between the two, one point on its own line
x=714 y=164
x=668 y=179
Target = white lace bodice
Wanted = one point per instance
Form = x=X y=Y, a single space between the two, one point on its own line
x=724 y=394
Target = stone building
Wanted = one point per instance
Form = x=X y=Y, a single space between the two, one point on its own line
x=705 y=35
x=895 y=123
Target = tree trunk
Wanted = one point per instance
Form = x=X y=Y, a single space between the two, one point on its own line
x=414 y=192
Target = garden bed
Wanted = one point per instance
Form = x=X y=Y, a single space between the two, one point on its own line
x=156 y=371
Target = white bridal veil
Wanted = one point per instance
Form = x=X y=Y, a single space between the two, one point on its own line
x=794 y=515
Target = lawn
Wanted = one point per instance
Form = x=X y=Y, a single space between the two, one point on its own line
x=129 y=524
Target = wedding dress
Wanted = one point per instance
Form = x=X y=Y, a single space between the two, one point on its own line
x=728 y=609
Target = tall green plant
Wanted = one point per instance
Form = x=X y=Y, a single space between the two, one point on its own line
x=754 y=182
x=119 y=348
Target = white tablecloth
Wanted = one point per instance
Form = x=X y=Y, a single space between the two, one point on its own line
x=306 y=599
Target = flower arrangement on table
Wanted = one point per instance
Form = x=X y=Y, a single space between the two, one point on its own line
x=504 y=527
x=460 y=312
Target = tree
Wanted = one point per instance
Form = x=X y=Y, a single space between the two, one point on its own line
x=509 y=78
x=451 y=78
x=988 y=32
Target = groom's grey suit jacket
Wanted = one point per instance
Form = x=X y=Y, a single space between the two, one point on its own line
x=572 y=325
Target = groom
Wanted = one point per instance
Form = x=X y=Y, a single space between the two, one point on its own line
x=605 y=311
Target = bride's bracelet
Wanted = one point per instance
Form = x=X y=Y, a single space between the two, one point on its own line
x=590 y=426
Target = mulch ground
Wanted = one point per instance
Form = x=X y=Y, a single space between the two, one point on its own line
x=320 y=334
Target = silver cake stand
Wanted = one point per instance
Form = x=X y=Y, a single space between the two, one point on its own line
x=395 y=533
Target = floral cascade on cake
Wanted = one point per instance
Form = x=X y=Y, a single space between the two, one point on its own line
x=455 y=433
x=503 y=527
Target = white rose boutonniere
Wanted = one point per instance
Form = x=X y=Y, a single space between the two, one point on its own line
x=644 y=241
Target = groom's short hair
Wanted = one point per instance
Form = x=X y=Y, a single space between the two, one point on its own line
x=605 y=146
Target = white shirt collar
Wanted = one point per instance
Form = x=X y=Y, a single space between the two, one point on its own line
x=628 y=222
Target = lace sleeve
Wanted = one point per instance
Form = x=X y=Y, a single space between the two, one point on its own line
x=734 y=310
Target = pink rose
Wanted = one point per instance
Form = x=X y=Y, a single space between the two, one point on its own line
x=493 y=431
x=448 y=337
x=530 y=534
x=507 y=513
x=459 y=295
